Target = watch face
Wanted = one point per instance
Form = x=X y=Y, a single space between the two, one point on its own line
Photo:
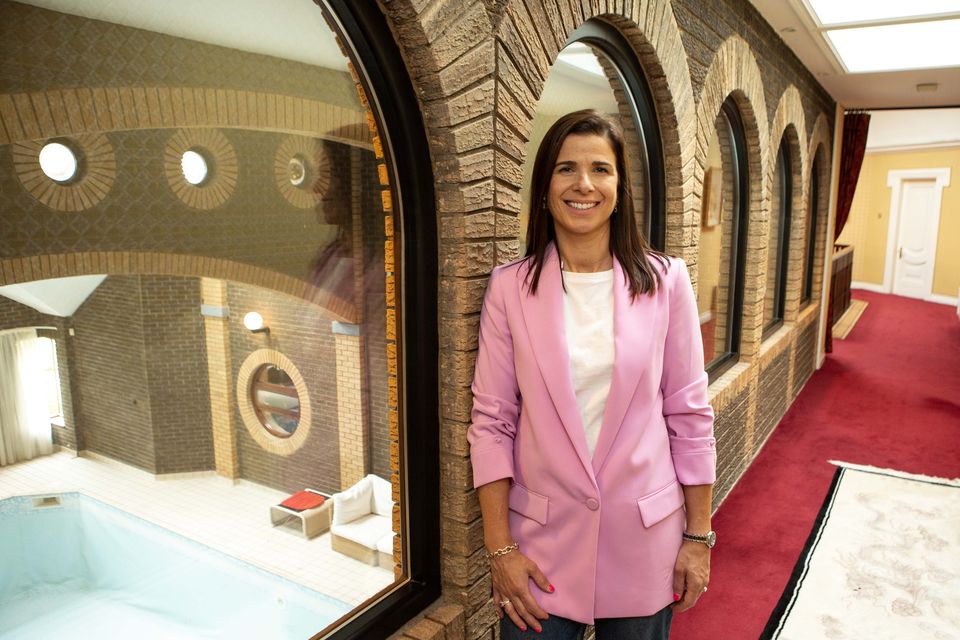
x=711 y=539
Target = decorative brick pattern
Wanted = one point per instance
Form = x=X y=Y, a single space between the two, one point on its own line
x=96 y=171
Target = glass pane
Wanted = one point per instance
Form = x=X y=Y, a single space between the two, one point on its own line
x=583 y=77
x=156 y=271
x=718 y=227
x=809 y=255
x=776 y=241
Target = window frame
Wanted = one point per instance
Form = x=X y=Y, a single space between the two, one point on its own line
x=395 y=106
x=617 y=49
x=740 y=208
x=784 y=175
x=813 y=209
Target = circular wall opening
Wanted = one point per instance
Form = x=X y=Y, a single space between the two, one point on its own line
x=275 y=400
x=297 y=169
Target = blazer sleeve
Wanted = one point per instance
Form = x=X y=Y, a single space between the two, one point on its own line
x=496 y=394
x=686 y=408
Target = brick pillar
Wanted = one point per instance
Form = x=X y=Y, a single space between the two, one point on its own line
x=213 y=297
x=354 y=440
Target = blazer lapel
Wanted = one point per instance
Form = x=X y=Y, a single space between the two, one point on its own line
x=543 y=316
x=633 y=322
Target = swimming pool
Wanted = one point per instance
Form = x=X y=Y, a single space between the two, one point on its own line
x=83 y=569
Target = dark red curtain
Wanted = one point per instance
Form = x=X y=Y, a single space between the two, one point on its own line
x=854 y=144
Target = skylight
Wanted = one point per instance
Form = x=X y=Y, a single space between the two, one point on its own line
x=833 y=12
x=919 y=45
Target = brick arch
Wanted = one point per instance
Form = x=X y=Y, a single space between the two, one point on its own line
x=42 y=267
x=819 y=148
x=71 y=112
x=789 y=121
x=820 y=138
x=734 y=72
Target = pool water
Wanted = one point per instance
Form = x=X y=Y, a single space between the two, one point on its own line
x=85 y=570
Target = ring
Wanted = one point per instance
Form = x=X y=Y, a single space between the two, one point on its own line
x=504 y=603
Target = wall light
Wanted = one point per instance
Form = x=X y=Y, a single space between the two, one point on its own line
x=58 y=162
x=194 y=167
x=254 y=322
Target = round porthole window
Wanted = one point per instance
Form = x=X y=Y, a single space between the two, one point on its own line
x=58 y=162
x=275 y=400
x=194 y=167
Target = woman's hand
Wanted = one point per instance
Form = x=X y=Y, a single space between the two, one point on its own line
x=690 y=574
x=511 y=575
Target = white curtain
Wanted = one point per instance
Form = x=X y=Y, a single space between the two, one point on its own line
x=24 y=425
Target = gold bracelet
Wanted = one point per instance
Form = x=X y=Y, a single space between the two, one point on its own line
x=490 y=555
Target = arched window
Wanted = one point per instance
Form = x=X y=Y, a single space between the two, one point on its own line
x=778 y=240
x=723 y=233
x=810 y=251
x=598 y=69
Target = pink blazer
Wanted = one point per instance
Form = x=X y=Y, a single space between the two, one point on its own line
x=605 y=531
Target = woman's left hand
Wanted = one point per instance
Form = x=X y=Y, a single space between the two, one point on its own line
x=691 y=574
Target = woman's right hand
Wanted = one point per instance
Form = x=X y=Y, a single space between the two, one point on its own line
x=511 y=575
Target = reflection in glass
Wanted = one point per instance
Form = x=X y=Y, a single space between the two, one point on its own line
x=810 y=252
x=722 y=230
x=275 y=400
x=150 y=352
x=778 y=240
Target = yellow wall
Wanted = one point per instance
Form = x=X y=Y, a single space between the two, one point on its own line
x=711 y=239
x=869 y=219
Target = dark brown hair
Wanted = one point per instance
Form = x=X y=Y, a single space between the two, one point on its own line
x=627 y=244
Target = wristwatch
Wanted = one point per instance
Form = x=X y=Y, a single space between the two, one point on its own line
x=709 y=539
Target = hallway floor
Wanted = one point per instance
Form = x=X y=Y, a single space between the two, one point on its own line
x=888 y=396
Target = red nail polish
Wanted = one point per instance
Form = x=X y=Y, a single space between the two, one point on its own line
x=538 y=630
x=676 y=597
x=523 y=628
x=552 y=588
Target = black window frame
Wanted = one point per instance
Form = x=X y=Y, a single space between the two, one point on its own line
x=813 y=209
x=741 y=209
x=784 y=170
x=608 y=39
x=391 y=97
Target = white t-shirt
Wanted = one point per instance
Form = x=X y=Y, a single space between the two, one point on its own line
x=588 y=317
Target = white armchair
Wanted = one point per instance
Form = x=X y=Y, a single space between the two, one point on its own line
x=362 y=524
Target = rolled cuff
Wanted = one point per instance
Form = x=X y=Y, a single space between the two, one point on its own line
x=695 y=460
x=492 y=459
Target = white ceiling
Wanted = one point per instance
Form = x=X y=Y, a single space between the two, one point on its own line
x=56 y=296
x=289 y=29
x=892 y=89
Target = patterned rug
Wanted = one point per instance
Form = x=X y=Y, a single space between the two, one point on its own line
x=882 y=561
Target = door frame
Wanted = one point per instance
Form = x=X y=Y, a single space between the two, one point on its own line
x=895 y=180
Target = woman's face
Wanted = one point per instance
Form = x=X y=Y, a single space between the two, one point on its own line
x=583 y=188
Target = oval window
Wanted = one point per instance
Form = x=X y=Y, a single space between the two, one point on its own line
x=275 y=400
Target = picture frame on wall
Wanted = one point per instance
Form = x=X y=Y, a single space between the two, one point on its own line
x=712 y=197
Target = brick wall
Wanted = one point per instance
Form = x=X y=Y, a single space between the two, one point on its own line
x=112 y=399
x=479 y=68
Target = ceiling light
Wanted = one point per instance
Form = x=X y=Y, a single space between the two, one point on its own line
x=58 y=162
x=919 y=45
x=194 y=167
x=831 y=12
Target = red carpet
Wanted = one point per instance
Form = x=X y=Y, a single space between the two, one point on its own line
x=888 y=396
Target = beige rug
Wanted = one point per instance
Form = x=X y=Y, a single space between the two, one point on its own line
x=848 y=320
x=882 y=561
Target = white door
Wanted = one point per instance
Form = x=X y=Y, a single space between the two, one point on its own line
x=916 y=243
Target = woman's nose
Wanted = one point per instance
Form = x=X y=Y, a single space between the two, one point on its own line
x=584 y=183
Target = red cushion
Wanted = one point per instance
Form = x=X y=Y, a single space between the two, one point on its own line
x=303 y=500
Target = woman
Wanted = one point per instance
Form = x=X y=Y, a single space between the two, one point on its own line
x=591 y=428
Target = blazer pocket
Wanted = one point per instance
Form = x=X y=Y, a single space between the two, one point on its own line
x=656 y=506
x=528 y=503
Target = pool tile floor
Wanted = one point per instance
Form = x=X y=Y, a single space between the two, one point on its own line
x=233 y=517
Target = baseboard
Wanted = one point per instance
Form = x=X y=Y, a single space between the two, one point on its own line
x=942 y=299
x=868 y=286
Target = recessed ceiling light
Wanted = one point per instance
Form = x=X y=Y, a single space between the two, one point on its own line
x=194 y=167
x=58 y=161
x=919 y=45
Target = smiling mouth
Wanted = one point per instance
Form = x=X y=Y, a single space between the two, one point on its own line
x=582 y=206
